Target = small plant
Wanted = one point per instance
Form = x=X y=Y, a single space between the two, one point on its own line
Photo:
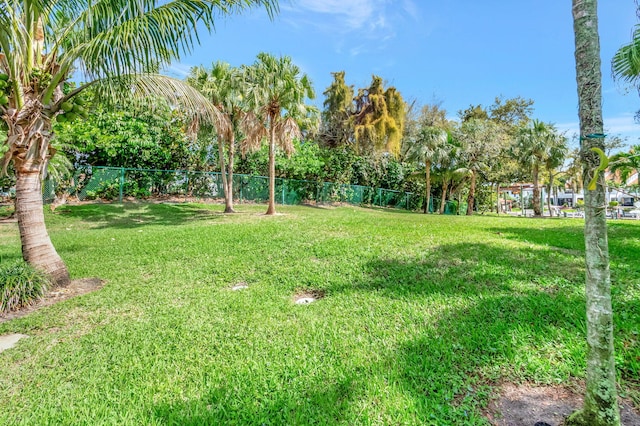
x=613 y=203
x=20 y=285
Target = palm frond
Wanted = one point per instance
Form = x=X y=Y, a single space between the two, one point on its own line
x=625 y=64
x=144 y=88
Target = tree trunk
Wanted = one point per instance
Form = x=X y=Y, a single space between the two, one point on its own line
x=445 y=185
x=229 y=199
x=498 y=198
x=472 y=193
x=427 y=184
x=223 y=174
x=549 y=195
x=536 y=192
x=271 y=209
x=37 y=248
x=600 y=401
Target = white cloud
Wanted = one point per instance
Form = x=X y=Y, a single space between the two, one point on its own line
x=355 y=14
x=345 y=20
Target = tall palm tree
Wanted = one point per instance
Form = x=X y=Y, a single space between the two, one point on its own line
x=429 y=145
x=115 y=43
x=600 y=401
x=276 y=94
x=536 y=145
x=225 y=87
x=556 y=154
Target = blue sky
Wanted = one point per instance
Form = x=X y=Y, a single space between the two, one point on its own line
x=458 y=52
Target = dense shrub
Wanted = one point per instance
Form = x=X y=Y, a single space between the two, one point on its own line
x=20 y=285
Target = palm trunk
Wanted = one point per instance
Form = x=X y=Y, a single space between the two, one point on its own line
x=536 y=192
x=223 y=173
x=600 y=401
x=229 y=199
x=271 y=209
x=549 y=195
x=37 y=248
x=427 y=191
x=472 y=193
x=445 y=185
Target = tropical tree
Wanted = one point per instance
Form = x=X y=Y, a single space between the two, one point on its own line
x=336 y=129
x=539 y=145
x=626 y=62
x=378 y=119
x=427 y=144
x=447 y=171
x=225 y=87
x=115 y=43
x=626 y=163
x=600 y=401
x=276 y=94
x=480 y=142
x=556 y=155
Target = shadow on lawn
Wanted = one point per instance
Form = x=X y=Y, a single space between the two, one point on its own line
x=322 y=404
x=135 y=215
x=490 y=314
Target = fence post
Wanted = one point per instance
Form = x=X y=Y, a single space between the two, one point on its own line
x=120 y=193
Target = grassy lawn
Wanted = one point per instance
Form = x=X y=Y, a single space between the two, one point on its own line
x=423 y=316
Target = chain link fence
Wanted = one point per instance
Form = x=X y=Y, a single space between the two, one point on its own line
x=119 y=184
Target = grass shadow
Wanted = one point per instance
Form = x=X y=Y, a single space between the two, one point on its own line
x=318 y=403
x=134 y=215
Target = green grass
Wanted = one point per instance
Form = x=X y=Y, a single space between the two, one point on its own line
x=423 y=316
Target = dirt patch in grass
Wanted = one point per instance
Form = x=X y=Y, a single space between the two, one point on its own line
x=75 y=288
x=526 y=404
x=303 y=297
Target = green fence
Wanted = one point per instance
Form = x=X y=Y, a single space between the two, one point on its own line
x=114 y=183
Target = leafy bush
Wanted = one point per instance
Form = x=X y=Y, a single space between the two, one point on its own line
x=20 y=285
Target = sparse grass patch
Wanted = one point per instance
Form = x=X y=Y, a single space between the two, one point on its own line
x=421 y=316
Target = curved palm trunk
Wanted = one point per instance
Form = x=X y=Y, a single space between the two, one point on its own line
x=271 y=209
x=445 y=185
x=29 y=136
x=600 y=401
x=427 y=191
x=536 y=192
x=37 y=248
x=472 y=193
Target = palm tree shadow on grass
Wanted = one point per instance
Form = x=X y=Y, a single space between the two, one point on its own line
x=322 y=403
x=490 y=315
x=511 y=314
x=136 y=215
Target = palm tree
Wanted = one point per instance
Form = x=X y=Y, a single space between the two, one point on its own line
x=536 y=145
x=556 y=154
x=600 y=401
x=224 y=87
x=429 y=145
x=626 y=163
x=276 y=94
x=115 y=43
